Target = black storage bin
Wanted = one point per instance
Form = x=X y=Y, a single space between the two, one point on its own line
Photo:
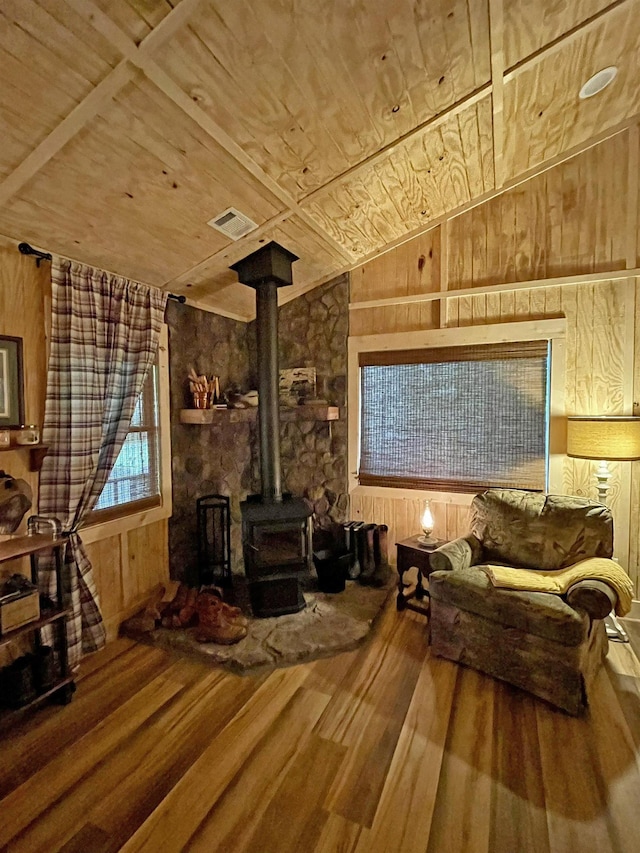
x=332 y=570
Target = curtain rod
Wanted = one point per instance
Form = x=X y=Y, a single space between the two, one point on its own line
x=26 y=249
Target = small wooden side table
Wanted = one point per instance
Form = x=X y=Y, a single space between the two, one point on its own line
x=410 y=553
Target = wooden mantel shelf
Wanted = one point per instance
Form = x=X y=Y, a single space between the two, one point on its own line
x=37 y=452
x=297 y=413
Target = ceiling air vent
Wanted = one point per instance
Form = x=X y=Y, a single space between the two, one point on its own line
x=233 y=223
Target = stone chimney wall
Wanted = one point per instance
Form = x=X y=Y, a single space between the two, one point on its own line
x=223 y=458
x=313 y=333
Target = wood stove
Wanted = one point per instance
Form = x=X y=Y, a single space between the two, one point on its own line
x=277 y=553
x=276 y=528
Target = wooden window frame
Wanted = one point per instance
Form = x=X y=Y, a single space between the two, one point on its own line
x=150 y=401
x=116 y=520
x=362 y=348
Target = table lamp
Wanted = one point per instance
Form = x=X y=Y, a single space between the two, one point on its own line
x=426 y=523
x=605 y=439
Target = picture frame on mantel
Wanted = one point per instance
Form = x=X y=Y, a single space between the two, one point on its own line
x=11 y=383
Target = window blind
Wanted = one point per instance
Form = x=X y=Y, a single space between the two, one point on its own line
x=456 y=418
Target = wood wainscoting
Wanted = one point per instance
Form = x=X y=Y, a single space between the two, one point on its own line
x=378 y=750
x=401 y=510
x=127 y=567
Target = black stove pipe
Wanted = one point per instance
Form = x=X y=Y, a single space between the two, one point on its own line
x=266 y=270
x=268 y=399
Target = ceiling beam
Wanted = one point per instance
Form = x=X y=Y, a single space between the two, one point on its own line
x=159 y=35
x=558 y=281
x=171 y=89
x=138 y=56
x=632 y=196
x=172 y=23
x=215 y=308
x=90 y=106
x=496 y=37
x=66 y=130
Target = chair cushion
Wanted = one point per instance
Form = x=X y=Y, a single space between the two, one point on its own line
x=538 y=613
x=538 y=531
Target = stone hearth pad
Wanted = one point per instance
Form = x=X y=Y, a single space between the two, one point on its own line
x=329 y=624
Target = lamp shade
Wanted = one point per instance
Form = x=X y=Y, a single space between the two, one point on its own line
x=604 y=438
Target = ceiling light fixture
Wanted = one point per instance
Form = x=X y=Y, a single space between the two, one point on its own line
x=598 y=82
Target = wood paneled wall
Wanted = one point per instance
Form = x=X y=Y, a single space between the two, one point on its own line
x=128 y=565
x=577 y=220
x=412 y=268
x=402 y=513
x=24 y=289
x=567 y=220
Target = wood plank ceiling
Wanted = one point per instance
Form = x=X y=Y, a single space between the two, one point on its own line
x=339 y=127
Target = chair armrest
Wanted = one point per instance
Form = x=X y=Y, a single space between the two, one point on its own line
x=457 y=554
x=597 y=598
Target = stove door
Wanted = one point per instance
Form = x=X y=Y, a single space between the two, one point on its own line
x=275 y=545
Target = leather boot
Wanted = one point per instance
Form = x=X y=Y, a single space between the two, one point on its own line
x=44 y=669
x=380 y=546
x=187 y=613
x=380 y=556
x=180 y=611
x=351 y=537
x=215 y=627
x=365 y=553
x=170 y=610
x=18 y=682
x=152 y=615
x=207 y=599
x=180 y=598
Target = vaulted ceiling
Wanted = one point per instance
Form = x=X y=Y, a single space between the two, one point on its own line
x=338 y=126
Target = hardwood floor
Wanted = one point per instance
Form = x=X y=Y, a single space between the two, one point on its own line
x=380 y=749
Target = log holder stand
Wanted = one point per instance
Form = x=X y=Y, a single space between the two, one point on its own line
x=214 y=540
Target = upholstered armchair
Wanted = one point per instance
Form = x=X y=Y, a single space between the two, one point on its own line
x=548 y=644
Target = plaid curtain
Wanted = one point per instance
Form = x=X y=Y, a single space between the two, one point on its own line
x=104 y=337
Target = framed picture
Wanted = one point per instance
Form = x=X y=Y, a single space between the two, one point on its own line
x=11 y=391
x=296 y=385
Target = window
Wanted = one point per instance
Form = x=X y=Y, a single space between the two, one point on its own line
x=134 y=482
x=456 y=418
